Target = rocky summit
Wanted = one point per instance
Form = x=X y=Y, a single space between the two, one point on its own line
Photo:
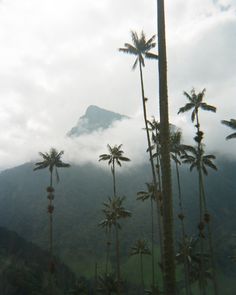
x=95 y=119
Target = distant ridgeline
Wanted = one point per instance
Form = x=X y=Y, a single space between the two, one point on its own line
x=95 y=119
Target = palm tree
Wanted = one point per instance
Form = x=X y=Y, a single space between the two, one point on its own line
x=107 y=224
x=150 y=195
x=114 y=157
x=52 y=161
x=231 y=124
x=107 y=284
x=114 y=210
x=140 y=248
x=199 y=161
x=140 y=48
x=177 y=150
x=189 y=249
x=168 y=243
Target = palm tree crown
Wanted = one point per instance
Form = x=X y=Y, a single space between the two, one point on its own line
x=196 y=102
x=140 y=48
x=231 y=124
x=140 y=247
x=114 y=210
x=51 y=160
x=115 y=155
x=199 y=160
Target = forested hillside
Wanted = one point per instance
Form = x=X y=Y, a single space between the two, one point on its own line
x=79 y=198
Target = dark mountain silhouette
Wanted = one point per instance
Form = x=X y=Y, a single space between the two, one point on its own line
x=24 y=267
x=95 y=119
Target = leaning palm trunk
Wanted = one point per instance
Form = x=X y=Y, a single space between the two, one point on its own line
x=169 y=258
x=159 y=219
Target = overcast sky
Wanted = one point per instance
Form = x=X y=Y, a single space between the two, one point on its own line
x=58 y=57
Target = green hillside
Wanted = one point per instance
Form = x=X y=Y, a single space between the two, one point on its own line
x=78 y=202
x=24 y=268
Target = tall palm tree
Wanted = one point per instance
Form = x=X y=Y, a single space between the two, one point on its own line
x=141 y=248
x=143 y=196
x=190 y=250
x=177 y=150
x=114 y=211
x=200 y=161
x=107 y=224
x=232 y=125
x=52 y=161
x=140 y=48
x=168 y=243
x=114 y=157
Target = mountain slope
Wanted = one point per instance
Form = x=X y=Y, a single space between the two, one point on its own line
x=24 y=268
x=78 y=203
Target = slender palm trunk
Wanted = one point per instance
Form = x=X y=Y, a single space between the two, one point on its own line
x=114 y=177
x=212 y=256
x=152 y=238
x=96 y=277
x=118 y=259
x=186 y=266
x=51 y=263
x=202 y=263
x=201 y=223
x=169 y=256
x=108 y=250
x=141 y=270
x=159 y=220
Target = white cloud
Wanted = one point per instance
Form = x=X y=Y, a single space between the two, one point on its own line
x=58 y=57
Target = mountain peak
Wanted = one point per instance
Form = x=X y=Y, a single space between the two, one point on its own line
x=94 y=119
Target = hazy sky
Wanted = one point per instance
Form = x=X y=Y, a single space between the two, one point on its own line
x=58 y=57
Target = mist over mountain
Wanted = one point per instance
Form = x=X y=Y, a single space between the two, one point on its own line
x=94 y=119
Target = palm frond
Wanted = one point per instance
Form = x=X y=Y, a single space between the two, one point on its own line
x=207 y=107
x=135 y=64
x=150 y=55
x=186 y=108
x=231 y=123
x=129 y=49
x=189 y=97
x=233 y=135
